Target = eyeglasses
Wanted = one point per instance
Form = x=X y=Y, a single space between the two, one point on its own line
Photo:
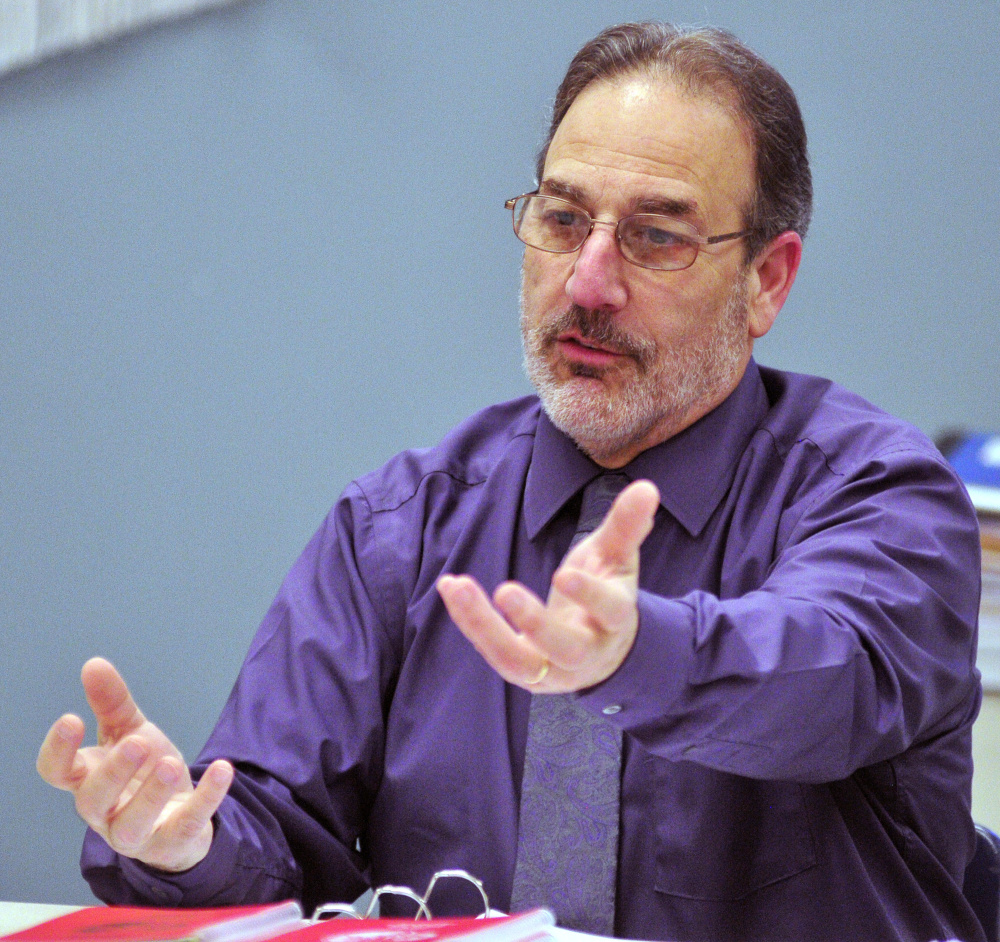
x=648 y=240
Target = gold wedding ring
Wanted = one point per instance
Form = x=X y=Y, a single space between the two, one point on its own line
x=542 y=674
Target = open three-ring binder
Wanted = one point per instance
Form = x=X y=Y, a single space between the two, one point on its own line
x=285 y=922
x=422 y=903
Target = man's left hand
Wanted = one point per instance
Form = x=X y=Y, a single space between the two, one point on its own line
x=581 y=634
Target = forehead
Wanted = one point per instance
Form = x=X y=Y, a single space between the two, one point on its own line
x=642 y=139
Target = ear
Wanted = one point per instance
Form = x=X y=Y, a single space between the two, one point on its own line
x=771 y=275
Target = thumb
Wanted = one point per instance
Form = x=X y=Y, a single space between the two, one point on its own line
x=628 y=523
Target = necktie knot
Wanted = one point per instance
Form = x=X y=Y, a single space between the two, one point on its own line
x=598 y=496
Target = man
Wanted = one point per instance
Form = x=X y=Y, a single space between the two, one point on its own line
x=765 y=651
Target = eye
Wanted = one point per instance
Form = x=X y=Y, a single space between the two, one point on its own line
x=661 y=236
x=563 y=218
x=657 y=242
x=656 y=235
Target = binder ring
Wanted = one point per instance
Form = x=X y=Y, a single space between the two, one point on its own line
x=398 y=891
x=329 y=910
x=461 y=875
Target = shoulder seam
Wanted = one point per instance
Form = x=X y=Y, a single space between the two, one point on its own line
x=805 y=439
x=466 y=481
x=380 y=597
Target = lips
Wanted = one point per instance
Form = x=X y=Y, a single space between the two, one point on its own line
x=582 y=349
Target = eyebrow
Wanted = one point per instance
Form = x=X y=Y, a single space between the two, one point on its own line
x=661 y=205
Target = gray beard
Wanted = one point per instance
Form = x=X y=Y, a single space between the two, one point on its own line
x=668 y=384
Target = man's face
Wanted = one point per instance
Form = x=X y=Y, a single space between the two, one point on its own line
x=624 y=357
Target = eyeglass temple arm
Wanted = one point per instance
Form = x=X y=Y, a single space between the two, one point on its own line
x=711 y=240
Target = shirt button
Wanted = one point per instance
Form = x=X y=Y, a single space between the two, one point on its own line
x=612 y=710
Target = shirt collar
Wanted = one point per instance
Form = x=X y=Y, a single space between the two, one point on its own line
x=693 y=470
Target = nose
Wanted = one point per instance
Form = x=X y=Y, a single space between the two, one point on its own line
x=597 y=281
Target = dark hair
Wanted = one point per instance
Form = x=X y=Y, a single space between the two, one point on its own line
x=714 y=61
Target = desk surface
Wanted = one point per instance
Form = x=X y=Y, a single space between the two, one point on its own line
x=15 y=916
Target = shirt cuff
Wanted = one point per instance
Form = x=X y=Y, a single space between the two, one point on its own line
x=654 y=674
x=198 y=886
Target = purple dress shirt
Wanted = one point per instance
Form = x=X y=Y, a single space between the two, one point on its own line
x=796 y=709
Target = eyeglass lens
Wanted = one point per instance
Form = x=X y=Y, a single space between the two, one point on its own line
x=652 y=241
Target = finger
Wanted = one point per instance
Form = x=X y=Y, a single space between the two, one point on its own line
x=102 y=789
x=204 y=801
x=134 y=821
x=563 y=641
x=109 y=698
x=608 y=603
x=59 y=762
x=510 y=654
x=185 y=836
x=621 y=533
x=586 y=634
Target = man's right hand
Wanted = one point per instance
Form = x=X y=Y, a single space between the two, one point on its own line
x=133 y=788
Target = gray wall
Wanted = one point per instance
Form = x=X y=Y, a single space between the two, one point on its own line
x=247 y=256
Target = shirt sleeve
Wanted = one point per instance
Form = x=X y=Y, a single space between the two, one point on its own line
x=304 y=728
x=858 y=642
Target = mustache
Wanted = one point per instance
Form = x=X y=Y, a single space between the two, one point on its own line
x=600 y=328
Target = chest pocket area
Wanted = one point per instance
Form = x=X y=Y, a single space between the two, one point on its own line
x=722 y=837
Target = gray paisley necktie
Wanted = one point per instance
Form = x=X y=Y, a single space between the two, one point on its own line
x=567 y=852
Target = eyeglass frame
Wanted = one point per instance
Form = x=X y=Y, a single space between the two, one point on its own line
x=697 y=239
